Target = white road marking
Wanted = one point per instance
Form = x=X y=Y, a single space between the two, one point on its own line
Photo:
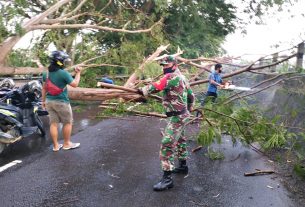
x=11 y=164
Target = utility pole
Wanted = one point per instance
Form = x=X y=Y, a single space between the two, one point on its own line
x=300 y=55
x=274 y=60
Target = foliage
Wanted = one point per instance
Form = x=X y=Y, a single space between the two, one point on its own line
x=151 y=106
x=19 y=58
x=296 y=149
x=199 y=27
x=244 y=123
x=215 y=155
x=259 y=8
x=299 y=170
x=121 y=108
x=151 y=70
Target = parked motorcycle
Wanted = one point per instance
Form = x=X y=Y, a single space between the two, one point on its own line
x=19 y=114
x=6 y=85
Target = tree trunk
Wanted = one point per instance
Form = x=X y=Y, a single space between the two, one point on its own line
x=6 y=48
x=6 y=70
x=10 y=42
x=130 y=82
x=96 y=94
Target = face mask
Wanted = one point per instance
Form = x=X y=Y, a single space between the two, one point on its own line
x=169 y=69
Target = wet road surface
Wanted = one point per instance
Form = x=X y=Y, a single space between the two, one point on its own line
x=118 y=163
x=34 y=144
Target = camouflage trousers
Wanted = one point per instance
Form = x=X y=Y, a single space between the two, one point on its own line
x=174 y=142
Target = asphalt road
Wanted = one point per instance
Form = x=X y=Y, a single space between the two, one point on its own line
x=118 y=163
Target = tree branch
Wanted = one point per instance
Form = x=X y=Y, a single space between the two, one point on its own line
x=91 y=59
x=247 y=68
x=106 y=6
x=79 y=6
x=265 y=88
x=55 y=21
x=88 y=26
x=123 y=88
x=39 y=5
x=193 y=64
x=129 y=83
x=51 y=10
x=246 y=122
x=85 y=66
x=259 y=84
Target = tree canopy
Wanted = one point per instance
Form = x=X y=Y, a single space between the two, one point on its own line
x=197 y=27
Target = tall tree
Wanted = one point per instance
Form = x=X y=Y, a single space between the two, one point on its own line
x=62 y=15
x=124 y=28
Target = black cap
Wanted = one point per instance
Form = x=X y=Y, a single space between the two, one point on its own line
x=218 y=66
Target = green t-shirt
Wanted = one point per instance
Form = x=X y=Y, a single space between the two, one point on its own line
x=60 y=78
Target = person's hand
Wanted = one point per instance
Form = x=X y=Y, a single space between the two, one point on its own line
x=43 y=104
x=226 y=85
x=191 y=108
x=77 y=69
x=143 y=91
x=140 y=91
x=221 y=86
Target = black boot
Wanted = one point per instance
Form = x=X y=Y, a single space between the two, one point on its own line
x=182 y=169
x=165 y=183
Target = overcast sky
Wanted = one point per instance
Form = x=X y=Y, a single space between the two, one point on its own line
x=279 y=29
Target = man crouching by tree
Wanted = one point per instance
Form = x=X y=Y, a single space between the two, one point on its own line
x=178 y=99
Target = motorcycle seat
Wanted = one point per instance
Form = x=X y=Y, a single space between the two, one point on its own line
x=10 y=107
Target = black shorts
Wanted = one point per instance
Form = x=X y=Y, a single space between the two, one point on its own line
x=211 y=94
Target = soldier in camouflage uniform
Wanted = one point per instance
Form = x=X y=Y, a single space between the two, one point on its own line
x=178 y=100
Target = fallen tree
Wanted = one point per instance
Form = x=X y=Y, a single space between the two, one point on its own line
x=96 y=94
x=128 y=91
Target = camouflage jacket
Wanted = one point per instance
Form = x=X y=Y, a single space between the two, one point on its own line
x=177 y=93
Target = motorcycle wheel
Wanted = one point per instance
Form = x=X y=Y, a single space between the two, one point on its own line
x=39 y=124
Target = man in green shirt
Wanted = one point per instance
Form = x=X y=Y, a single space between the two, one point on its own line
x=55 y=99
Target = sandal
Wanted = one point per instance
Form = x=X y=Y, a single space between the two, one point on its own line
x=72 y=146
x=59 y=147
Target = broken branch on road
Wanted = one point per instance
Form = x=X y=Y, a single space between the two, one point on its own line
x=260 y=172
x=197 y=148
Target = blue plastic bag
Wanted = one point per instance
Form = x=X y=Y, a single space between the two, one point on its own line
x=107 y=80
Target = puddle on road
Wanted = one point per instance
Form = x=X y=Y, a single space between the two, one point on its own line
x=83 y=116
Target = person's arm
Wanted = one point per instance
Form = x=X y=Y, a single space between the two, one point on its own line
x=154 y=87
x=43 y=95
x=212 y=81
x=190 y=99
x=44 y=90
x=190 y=95
x=76 y=80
